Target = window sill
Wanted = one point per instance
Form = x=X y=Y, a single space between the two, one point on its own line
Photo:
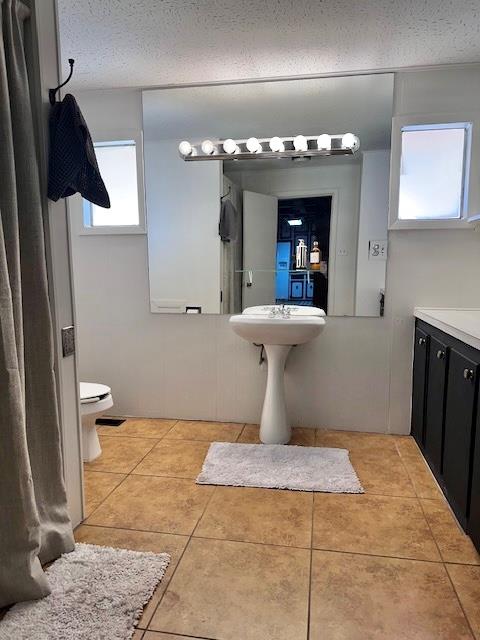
x=112 y=231
x=399 y=225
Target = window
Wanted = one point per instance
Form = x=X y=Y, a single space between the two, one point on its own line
x=432 y=172
x=434 y=162
x=120 y=166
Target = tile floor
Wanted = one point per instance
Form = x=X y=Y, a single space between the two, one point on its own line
x=261 y=564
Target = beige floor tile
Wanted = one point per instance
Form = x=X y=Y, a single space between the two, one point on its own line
x=258 y=515
x=376 y=525
x=466 y=580
x=422 y=478
x=149 y=503
x=97 y=486
x=300 y=436
x=358 y=597
x=454 y=544
x=355 y=440
x=139 y=428
x=235 y=590
x=174 y=458
x=120 y=455
x=382 y=473
x=138 y=634
x=207 y=431
x=174 y=545
x=158 y=635
x=407 y=446
x=375 y=459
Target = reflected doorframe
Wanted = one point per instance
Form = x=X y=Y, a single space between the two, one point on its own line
x=332 y=241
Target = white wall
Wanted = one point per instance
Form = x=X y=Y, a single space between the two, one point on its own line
x=437 y=268
x=373 y=223
x=342 y=180
x=183 y=204
x=357 y=375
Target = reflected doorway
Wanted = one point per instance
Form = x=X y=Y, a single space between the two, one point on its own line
x=304 y=281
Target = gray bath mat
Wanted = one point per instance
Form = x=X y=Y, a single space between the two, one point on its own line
x=97 y=593
x=277 y=466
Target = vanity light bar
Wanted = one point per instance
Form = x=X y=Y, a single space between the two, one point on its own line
x=260 y=148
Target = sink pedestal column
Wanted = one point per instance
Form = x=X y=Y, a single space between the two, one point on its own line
x=275 y=427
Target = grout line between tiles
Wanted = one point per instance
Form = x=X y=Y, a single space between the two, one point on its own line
x=446 y=570
x=180 y=635
x=102 y=501
x=272 y=544
x=309 y=604
x=192 y=534
x=180 y=558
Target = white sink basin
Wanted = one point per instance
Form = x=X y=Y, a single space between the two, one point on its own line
x=278 y=329
x=293 y=309
x=261 y=329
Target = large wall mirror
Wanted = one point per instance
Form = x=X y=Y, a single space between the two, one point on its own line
x=295 y=230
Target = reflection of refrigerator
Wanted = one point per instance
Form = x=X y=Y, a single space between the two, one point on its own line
x=282 y=267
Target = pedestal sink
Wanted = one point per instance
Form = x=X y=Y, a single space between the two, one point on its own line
x=278 y=328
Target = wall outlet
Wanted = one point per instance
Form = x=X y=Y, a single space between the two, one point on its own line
x=377 y=250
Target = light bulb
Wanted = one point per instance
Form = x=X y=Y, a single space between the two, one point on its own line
x=208 y=147
x=300 y=143
x=230 y=146
x=276 y=144
x=324 y=142
x=185 y=148
x=254 y=146
x=349 y=141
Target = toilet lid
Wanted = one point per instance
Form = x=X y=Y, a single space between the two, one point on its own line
x=90 y=391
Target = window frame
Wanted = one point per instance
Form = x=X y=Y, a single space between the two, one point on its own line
x=470 y=205
x=140 y=228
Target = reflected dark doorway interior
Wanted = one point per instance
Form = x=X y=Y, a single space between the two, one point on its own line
x=307 y=219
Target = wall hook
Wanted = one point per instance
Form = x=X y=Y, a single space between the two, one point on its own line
x=53 y=92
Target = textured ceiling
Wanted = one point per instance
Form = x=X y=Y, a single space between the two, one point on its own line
x=120 y=43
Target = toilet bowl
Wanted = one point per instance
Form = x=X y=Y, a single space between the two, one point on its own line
x=95 y=399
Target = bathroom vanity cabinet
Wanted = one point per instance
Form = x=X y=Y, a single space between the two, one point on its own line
x=446 y=407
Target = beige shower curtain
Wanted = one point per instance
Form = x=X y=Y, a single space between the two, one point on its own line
x=34 y=523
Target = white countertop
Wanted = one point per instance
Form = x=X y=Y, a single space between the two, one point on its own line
x=463 y=324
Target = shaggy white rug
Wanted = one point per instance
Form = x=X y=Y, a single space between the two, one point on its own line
x=276 y=466
x=98 y=593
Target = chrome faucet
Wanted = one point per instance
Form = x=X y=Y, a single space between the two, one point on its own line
x=279 y=311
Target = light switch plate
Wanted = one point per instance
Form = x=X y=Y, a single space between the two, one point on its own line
x=377 y=250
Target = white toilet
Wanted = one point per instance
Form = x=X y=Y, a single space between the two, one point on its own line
x=95 y=399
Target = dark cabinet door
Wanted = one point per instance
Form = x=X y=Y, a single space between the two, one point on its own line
x=435 y=403
x=459 y=417
x=473 y=526
x=420 y=359
x=474 y=517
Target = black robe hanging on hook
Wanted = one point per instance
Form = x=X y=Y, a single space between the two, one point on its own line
x=72 y=162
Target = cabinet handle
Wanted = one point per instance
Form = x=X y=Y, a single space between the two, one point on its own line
x=421 y=341
x=440 y=354
x=468 y=374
